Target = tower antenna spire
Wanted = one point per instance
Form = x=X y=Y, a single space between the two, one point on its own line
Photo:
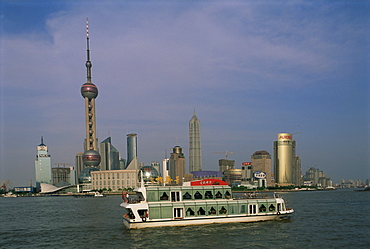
x=88 y=62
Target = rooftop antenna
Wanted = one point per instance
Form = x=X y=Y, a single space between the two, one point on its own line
x=88 y=62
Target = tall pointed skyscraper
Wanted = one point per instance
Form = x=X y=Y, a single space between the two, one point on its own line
x=195 y=153
x=89 y=91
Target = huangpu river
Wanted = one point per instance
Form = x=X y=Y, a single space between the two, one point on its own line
x=322 y=219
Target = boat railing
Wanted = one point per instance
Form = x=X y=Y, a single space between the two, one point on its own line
x=252 y=195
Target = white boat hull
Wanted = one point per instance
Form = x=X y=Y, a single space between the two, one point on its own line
x=205 y=220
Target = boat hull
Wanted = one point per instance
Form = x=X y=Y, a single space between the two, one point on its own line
x=205 y=220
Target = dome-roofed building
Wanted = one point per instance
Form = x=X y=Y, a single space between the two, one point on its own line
x=149 y=173
x=85 y=175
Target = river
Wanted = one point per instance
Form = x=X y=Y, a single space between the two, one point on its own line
x=322 y=219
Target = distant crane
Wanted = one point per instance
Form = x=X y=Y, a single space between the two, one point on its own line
x=227 y=154
x=64 y=164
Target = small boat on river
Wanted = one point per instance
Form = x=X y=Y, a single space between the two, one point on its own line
x=198 y=202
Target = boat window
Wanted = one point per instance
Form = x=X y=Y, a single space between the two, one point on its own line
x=186 y=196
x=227 y=194
x=223 y=210
x=201 y=211
x=175 y=196
x=279 y=207
x=208 y=195
x=212 y=211
x=243 y=209
x=190 y=212
x=252 y=209
x=218 y=195
x=128 y=213
x=198 y=195
x=177 y=212
x=164 y=197
x=262 y=208
x=143 y=213
x=271 y=208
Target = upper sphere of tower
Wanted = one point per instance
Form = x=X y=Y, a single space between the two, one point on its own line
x=89 y=90
x=91 y=158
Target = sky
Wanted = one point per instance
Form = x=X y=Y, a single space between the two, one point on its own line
x=249 y=69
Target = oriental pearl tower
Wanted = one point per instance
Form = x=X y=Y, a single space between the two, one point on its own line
x=91 y=156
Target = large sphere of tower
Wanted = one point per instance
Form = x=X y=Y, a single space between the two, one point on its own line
x=91 y=158
x=89 y=90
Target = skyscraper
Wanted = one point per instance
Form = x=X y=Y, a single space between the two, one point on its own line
x=195 y=153
x=132 y=160
x=284 y=152
x=109 y=155
x=89 y=91
x=177 y=164
x=42 y=165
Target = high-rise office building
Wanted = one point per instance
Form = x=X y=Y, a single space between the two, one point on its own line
x=89 y=92
x=261 y=162
x=79 y=164
x=177 y=164
x=42 y=165
x=132 y=160
x=109 y=155
x=195 y=153
x=297 y=171
x=284 y=160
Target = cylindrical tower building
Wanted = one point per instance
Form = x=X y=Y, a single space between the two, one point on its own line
x=89 y=92
x=132 y=151
x=283 y=159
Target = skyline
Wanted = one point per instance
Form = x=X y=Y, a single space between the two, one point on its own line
x=250 y=70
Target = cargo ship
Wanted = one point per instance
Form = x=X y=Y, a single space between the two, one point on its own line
x=196 y=203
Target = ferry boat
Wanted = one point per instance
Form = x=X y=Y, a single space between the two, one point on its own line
x=195 y=203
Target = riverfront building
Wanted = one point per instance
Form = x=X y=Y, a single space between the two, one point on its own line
x=287 y=165
x=63 y=175
x=114 y=180
x=177 y=164
x=42 y=165
x=283 y=159
x=195 y=153
x=261 y=162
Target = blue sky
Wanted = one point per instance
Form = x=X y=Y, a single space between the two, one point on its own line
x=250 y=70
